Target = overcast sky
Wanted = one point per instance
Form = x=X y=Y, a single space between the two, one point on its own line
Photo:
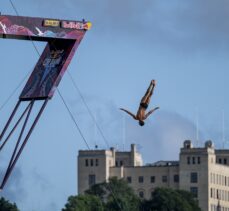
x=183 y=44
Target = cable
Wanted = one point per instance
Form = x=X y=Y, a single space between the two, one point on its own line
x=108 y=185
x=88 y=109
x=35 y=47
x=14 y=91
x=73 y=119
x=14 y=8
x=70 y=113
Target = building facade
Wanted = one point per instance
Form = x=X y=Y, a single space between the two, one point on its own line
x=202 y=171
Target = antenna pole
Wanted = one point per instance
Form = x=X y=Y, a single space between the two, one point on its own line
x=197 y=127
x=124 y=132
x=95 y=131
x=223 y=129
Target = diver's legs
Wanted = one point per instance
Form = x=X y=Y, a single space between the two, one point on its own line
x=149 y=92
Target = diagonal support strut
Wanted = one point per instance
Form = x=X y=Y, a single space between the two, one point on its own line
x=18 y=150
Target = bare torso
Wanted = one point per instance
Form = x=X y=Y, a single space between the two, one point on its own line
x=141 y=114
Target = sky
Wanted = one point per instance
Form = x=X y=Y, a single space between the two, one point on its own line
x=182 y=44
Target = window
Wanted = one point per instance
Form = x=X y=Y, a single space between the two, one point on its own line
x=141 y=194
x=194 y=191
x=225 y=161
x=86 y=162
x=152 y=193
x=141 y=179
x=193 y=160
x=152 y=179
x=176 y=178
x=116 y=163
x=194 y=177
x=217 y=194
x=91 y=180
x=212 y=207
x=92 y=162
x=198 y=160
x=164 y=178
x=96 y=162
x=188 y=160
x=129 y=179
x=220 y=160
x=121 y=163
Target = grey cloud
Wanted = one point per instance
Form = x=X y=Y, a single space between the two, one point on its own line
x=44 y=184
x=162 y=136
x=180 y=24
x=14 y=188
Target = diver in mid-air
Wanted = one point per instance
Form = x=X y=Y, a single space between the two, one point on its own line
x=141 y=116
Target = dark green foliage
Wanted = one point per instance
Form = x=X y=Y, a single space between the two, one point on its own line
x=83 y=203
x=190 y=199
x=112 y=196
x=166 y=199
x=7 y=206
x=118 y=196
x=121 y=196
x=98 y=190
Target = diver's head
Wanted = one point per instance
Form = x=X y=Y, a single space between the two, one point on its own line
x=141 y=122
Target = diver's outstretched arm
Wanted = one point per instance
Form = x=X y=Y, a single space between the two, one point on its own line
x=151 y=111
x=128 y=113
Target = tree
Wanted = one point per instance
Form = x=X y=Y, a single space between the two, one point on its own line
x=84 y=203
x=190 y=198
x=112 y=196
x=7 y=206
x=116 y=195
x=167 y=199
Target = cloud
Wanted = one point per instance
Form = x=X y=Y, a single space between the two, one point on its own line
x=41 y=184
x=99 y=123
x=14 y=188
x=185 y=25
x=44 y=184
x=161 y=137
x=181 y=25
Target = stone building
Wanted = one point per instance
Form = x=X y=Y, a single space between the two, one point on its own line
x=202 y=171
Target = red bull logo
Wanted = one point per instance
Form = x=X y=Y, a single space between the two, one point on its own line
x=75 y=25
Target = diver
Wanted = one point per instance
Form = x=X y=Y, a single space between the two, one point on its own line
x=141 y=116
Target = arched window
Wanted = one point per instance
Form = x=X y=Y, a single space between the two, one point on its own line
x=141 y=193
x=151 y=191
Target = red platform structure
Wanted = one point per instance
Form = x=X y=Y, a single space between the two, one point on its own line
x=63 y=38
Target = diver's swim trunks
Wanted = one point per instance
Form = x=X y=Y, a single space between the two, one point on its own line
x=144 y=105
